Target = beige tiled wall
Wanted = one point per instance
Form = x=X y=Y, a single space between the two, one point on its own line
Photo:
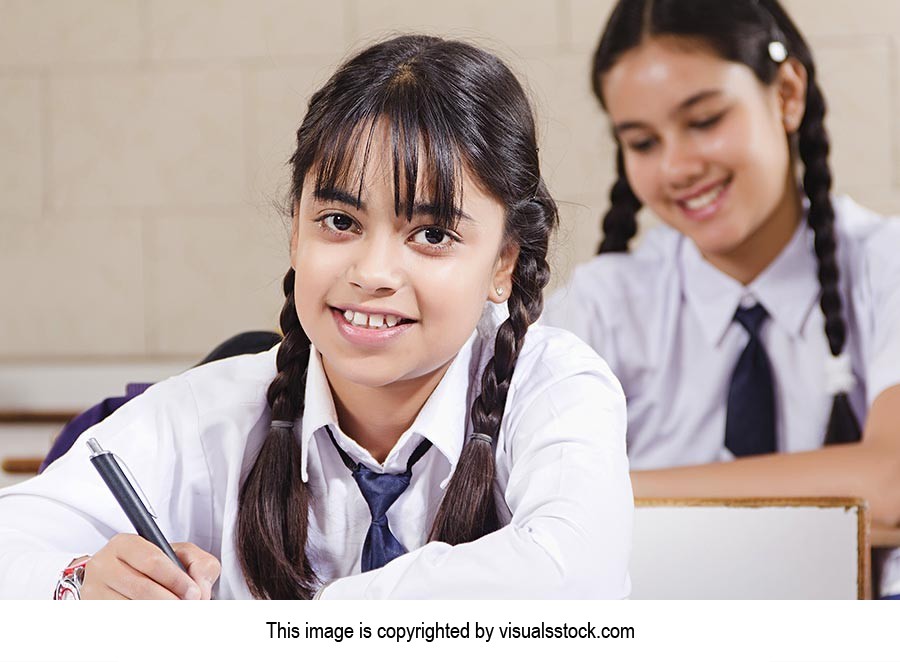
x=142 y=147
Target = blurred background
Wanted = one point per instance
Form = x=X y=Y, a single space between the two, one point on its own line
x=143 y=143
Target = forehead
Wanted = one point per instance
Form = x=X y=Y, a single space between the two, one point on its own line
x=662 y=73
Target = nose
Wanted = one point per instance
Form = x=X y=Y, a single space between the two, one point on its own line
x=682 y=165
x=376 y=268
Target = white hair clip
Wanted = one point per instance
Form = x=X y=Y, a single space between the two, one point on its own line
x=839 y=374
x=777 y=51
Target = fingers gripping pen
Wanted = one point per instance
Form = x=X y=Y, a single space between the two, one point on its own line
x=136 y=509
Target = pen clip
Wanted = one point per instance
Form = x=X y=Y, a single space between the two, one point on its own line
x=97 y=449
x=135 y=484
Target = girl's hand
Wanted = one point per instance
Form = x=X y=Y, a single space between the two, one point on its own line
x=131 y=568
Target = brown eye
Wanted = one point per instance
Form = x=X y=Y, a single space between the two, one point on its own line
x=642 y=145
x=707 y=122
x=433 y=237
x=338 y=222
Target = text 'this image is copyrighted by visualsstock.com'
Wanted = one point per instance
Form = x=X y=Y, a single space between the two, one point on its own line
x=437 y=631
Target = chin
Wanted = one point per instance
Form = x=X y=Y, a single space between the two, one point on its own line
x=370 y=372
x=723 y=240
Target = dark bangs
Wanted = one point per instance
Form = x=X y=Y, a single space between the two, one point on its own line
x=335 y=140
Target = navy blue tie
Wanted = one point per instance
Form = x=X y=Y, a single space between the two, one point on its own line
x=750 y=419
x=380 y=492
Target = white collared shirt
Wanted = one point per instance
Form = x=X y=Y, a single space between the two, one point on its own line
x=562 y=480
x=661 y=317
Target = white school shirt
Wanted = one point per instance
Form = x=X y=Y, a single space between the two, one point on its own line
x=661 y=316
x=562 y=480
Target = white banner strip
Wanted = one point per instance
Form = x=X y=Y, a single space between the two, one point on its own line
x=462 y=631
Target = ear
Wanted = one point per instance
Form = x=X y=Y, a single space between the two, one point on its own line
x=501 y=281
x=790 y=83
x=295 y=218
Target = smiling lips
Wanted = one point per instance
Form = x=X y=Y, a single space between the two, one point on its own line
x=370 y=329
x=371 y=320
x=706 y=202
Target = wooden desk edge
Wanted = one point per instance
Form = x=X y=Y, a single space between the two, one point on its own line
x=754 y=502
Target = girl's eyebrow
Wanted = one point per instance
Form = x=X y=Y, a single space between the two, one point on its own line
x=419 y=209
x=692 y=100
x=427 y=209
x=338 y=195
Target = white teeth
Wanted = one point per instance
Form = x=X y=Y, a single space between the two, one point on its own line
x=373 y=321
x=701 y=201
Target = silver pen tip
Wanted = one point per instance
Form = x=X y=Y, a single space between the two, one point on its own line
x=94 y=445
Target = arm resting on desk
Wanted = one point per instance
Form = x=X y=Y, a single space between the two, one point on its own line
x=868 y=470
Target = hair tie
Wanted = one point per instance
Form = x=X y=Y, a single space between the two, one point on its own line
x=282 y=424
x=777 y=51
x=480 y=436
x=839 y=374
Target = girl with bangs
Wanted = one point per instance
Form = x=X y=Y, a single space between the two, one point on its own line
x=757 y=332
x=412 y=435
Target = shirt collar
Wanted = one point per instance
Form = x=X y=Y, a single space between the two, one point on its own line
x=442 y=419
x=787 y=288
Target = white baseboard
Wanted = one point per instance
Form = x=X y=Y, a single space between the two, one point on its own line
x=36 y=387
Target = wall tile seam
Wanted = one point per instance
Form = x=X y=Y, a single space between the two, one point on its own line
x=45 y=147
x=143 y=223
x=564 y=34
x=84 y=213
x=894 y=82
x=351 y=22
x=248 y=114
x=197 y=65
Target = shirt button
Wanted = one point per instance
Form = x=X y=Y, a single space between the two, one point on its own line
x=748 y=300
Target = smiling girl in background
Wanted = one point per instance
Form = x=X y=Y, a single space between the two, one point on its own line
x=404 y=409
x=766 y=316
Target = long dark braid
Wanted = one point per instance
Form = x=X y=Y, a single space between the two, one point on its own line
x=814 y=146
x=741 y=31
x=620 y=221
x=468 y=510
x=273 y=509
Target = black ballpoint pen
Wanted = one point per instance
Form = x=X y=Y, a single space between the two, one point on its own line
x=137 y=512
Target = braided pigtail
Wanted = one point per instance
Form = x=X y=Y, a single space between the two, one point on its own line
x=814 y=146
x=273 y=510
x=468 y=510
x=620 y=222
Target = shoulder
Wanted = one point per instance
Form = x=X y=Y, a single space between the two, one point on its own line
x=611 y=298
x=201 y=397
x=615 y=279
x=861 y=230
x=620 y=274
x=232 y=382
x=563 y=399
x=551 y=358
x=868 y=242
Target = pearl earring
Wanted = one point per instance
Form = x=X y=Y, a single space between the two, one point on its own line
x=499 y=291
